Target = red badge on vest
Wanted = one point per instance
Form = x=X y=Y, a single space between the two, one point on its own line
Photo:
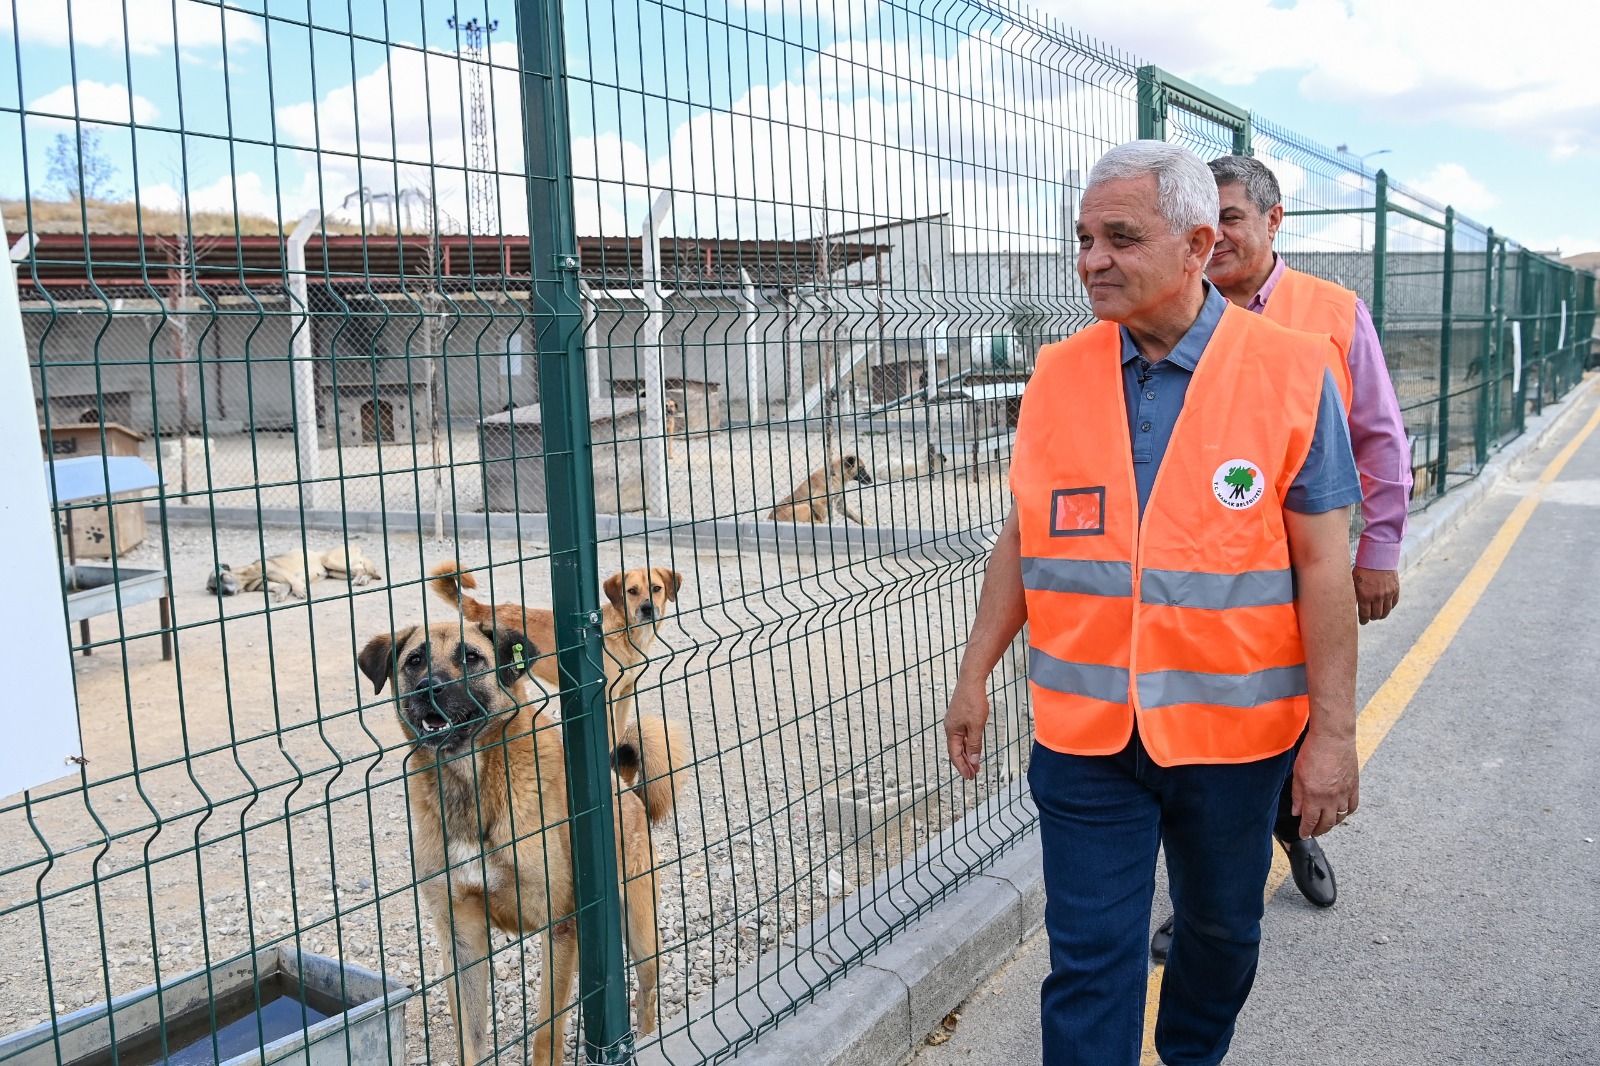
x=1078 y=512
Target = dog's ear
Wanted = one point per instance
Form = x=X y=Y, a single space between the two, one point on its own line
x=613 y=589
x=513 y=653
x=377 y=658
x=672 y=581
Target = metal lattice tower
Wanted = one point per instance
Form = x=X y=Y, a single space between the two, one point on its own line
x=482 y=199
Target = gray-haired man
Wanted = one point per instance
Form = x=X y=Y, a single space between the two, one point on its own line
x=1183 y=628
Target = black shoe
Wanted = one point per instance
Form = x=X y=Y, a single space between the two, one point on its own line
x=1161 y=941
x=1312 y=874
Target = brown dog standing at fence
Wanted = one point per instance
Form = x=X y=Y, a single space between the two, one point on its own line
x=637 y=601
x=810 y=500
x=487 y=790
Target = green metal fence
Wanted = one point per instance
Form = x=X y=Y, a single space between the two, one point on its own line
x=549 y=291
x=1477 y=330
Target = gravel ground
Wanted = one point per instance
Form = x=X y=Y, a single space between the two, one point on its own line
x=734 y=473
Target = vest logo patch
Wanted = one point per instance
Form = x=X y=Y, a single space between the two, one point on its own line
x=1238 y=484
x=1078 y=512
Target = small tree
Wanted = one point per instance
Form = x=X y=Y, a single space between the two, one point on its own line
x=80 y=167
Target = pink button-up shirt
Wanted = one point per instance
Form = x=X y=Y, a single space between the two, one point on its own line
x=1377 y=436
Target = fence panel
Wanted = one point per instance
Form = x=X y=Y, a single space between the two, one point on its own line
x=704 y=330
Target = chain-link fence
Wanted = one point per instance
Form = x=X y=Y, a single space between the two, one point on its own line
x=735 y=305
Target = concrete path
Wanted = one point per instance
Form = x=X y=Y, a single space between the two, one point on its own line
x=1469 y=881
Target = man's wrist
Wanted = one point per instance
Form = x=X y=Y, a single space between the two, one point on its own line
x=1343 y=732
x=1377 y=555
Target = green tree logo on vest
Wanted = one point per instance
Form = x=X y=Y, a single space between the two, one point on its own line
x=1238 y=484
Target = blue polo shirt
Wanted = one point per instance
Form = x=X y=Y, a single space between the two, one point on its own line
x=1154 y=393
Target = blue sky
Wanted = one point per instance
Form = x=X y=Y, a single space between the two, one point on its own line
x=751 y=108
x=1494 y=106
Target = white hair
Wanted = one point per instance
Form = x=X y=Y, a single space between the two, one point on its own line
x=1186 y=191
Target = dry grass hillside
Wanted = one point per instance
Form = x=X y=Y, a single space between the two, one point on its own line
x=1584 y=261
x=69 y=216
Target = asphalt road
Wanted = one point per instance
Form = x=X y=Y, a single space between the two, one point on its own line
x=1469 y=881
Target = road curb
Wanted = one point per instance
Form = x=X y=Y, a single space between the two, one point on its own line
x=882 y=1011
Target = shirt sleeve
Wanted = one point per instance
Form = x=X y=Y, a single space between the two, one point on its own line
x=1378 y=439
x=1328 y=478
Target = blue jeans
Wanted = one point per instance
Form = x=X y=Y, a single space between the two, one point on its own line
x=1101 y=821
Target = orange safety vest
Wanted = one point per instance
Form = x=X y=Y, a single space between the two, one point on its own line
x=1307 y=303
x=1186 y=619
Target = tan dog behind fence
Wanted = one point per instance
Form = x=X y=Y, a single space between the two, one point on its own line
x=814 y=499
x=630 y=620
x=289 y=576
x=487 y=793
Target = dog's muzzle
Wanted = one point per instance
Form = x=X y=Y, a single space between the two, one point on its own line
x=445 y=716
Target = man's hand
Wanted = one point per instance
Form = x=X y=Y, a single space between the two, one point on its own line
x=1377 y=592
x=963 y=726
x=1327 y=782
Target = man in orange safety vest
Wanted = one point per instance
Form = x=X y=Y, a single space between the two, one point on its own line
x=1178 y=548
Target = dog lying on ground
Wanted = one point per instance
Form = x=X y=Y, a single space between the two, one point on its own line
x=290 y=575
x=637 y=601
x=487 y=759
x=810 y=500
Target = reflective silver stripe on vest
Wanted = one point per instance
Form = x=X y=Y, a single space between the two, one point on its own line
x=1088 y=576
x=1108 y=683
x=1217 y=592
x=1163 y=688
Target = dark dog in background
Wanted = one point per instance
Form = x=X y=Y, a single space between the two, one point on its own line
x=487 y=759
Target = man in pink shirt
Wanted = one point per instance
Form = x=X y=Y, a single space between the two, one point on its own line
x=1248 y=272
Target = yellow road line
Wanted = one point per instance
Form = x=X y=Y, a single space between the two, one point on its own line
x=1383 y=710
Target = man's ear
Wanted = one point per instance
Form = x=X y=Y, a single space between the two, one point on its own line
x=613 y=589
x=1274 y=220
x=1201 y=240
x=513 y=653
x=377 y=658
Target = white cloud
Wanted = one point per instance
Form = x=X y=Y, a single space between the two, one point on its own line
x=144 y=27
x=95 y=102
x=249 y=195
x=401 y=126
x=1449 y=183
x=868 y=131
x=1527 y=72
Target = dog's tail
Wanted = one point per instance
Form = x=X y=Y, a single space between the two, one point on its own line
x=448 y=584
x=649 y=758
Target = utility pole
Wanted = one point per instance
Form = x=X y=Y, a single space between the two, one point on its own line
x=483 y=212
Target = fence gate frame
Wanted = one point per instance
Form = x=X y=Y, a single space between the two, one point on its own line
x=1160 y=91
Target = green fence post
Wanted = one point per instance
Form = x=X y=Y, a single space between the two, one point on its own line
x=574 y=566
x=1446 y=334
x=1480 y=430
x=1500 y=334
x=1380 y=250
x=1535 y=280
x=1569 y=348
x=1152 y=105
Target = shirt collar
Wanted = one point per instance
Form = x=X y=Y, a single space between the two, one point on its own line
x=1258 y=302
x=1188 y=350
